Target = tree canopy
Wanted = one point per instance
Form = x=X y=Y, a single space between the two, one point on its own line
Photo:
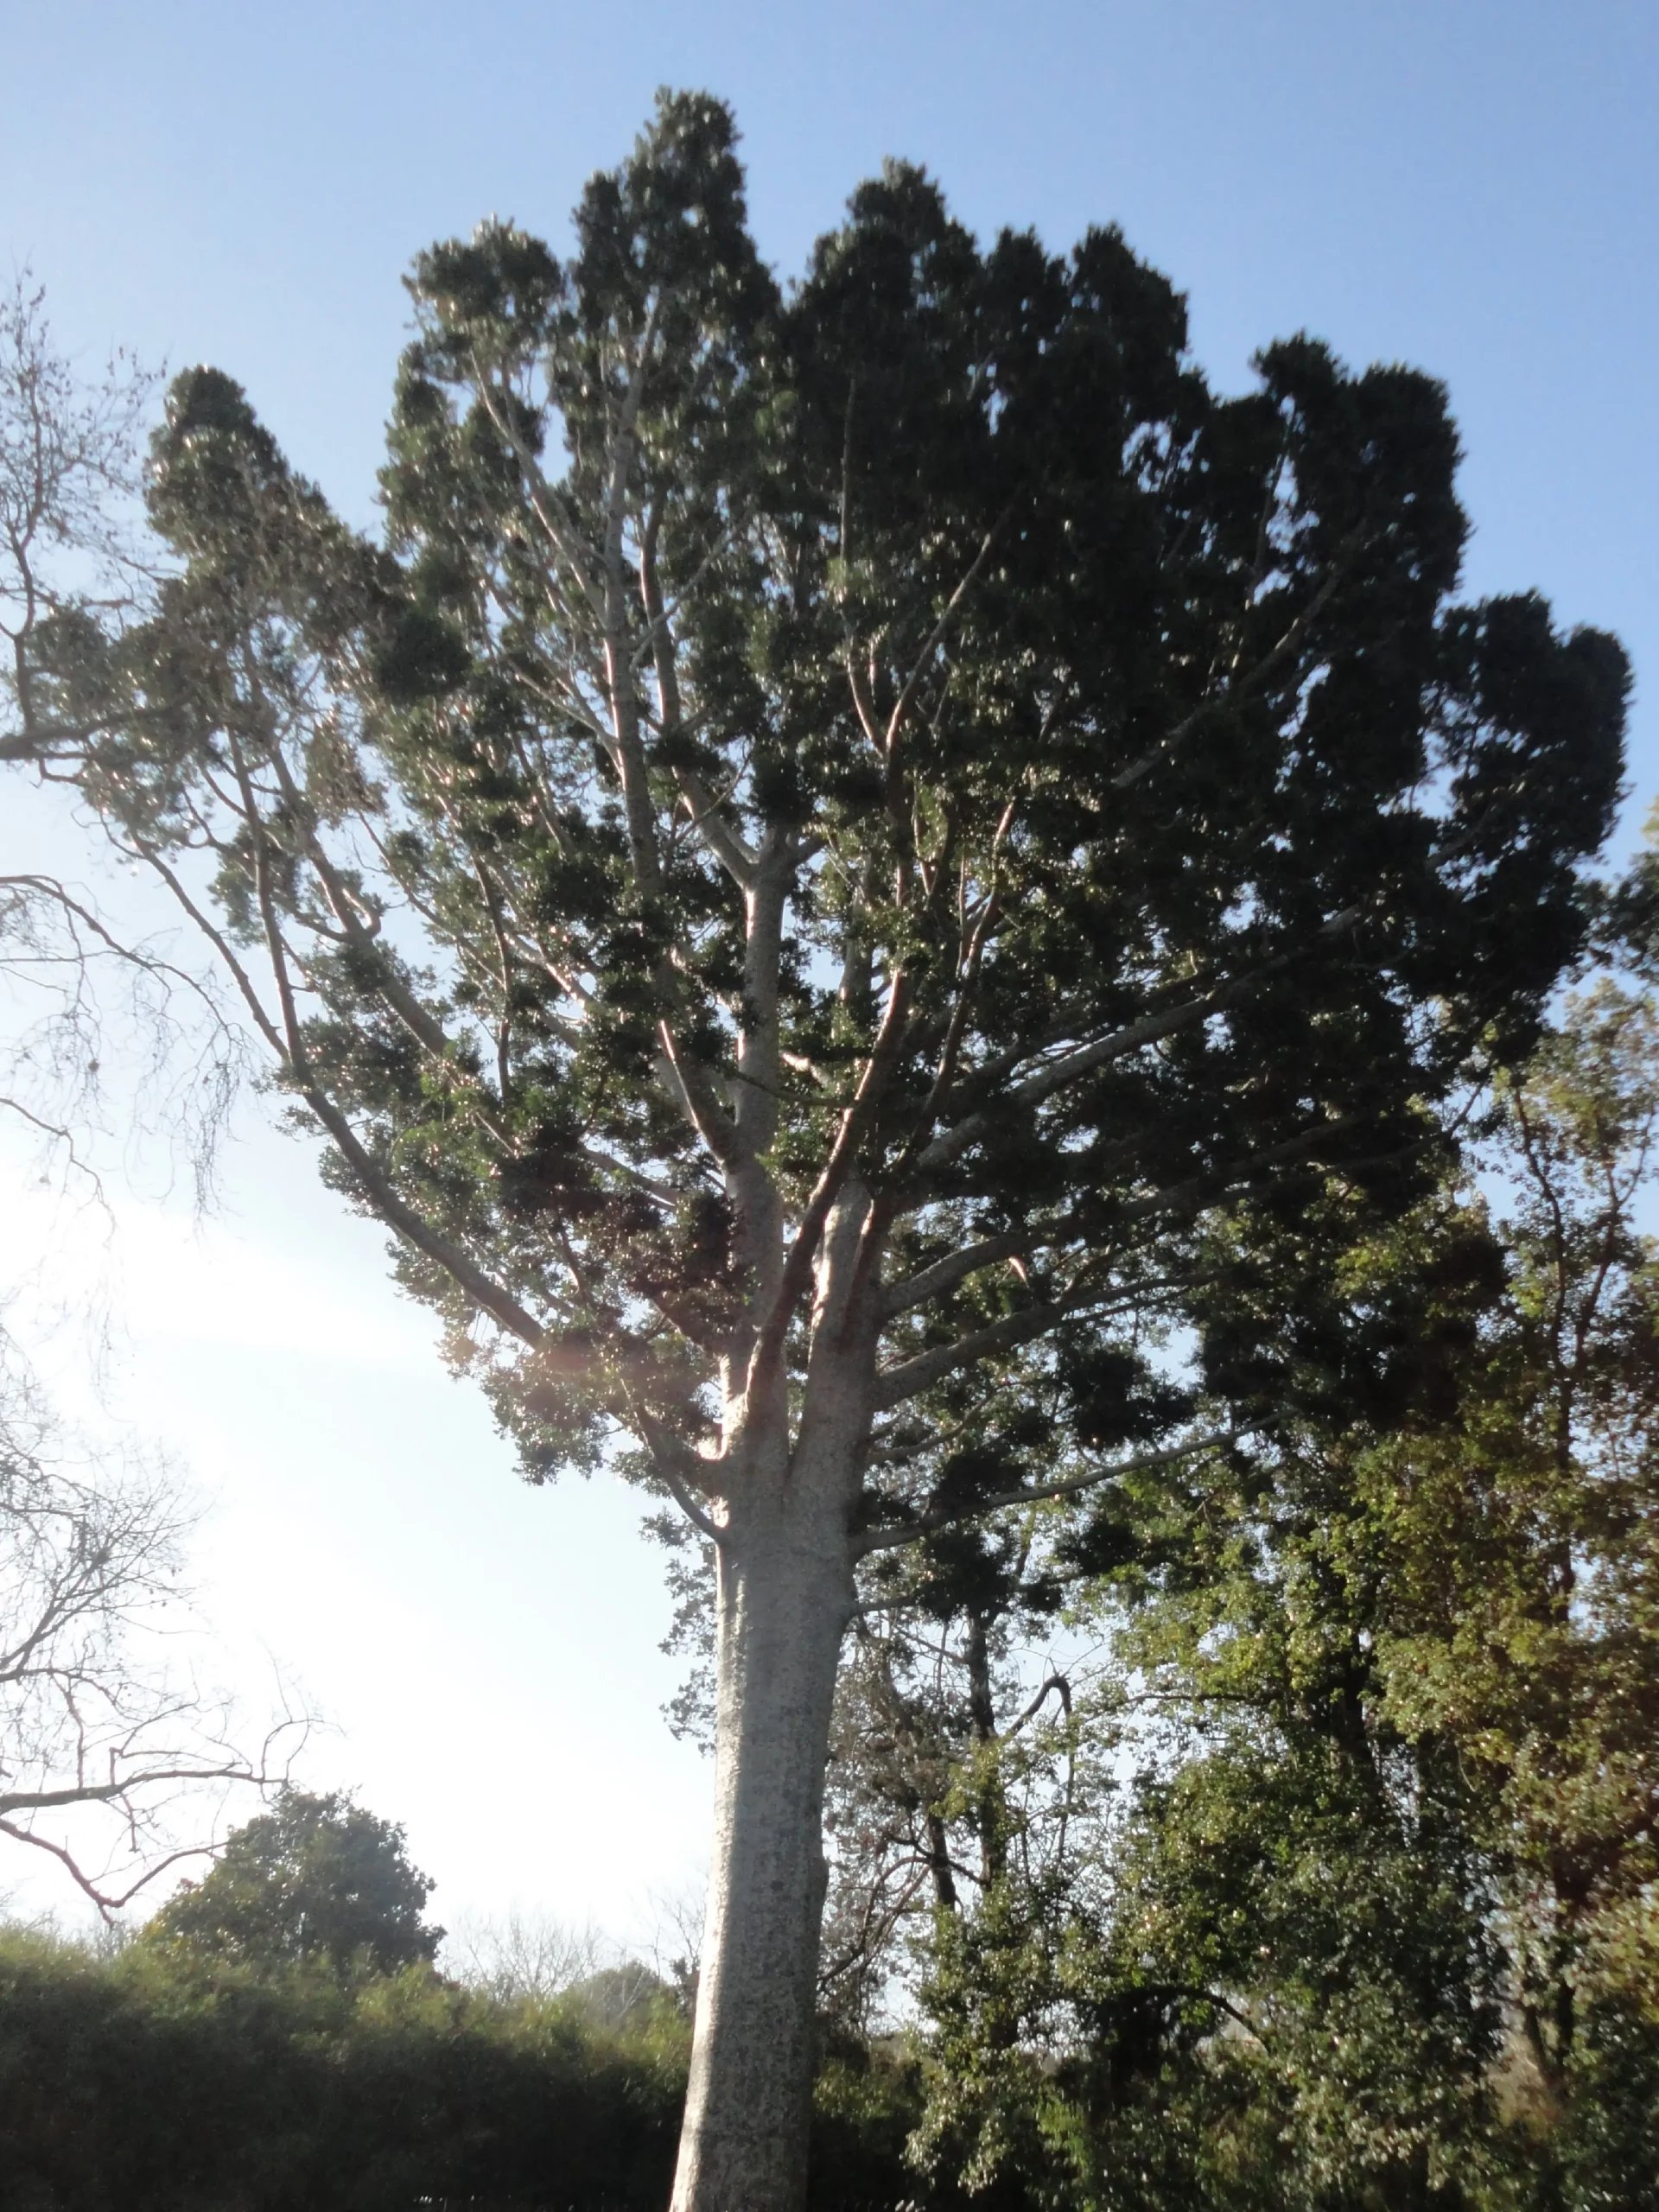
x=315 y=1878
x=922 y=733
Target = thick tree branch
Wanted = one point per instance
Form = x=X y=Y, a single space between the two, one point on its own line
x=928 y=1523
x=1085 y=1060
x=944 y=1275
x=893 y=1385
x=679 y=1469
x=797 y=1265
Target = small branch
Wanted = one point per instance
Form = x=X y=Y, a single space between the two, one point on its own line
x=895 y=721
x=1030 y=1711
x=541 y=498
x=402 y=1218
x=674 y=1463
x=734 y=855
x=1208 y=1997
x=1126 y=777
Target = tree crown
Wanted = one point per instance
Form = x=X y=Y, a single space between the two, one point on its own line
x=901 y=761
x=315 y=1878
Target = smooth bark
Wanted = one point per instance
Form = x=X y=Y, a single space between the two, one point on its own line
x=785 y=1555
x=785 y=1595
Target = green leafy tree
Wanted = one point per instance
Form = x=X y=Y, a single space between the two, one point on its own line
x=936 y=1729
x=1378 y=1923
x=315 y=1879
x=1523 y=1637
x=839 y=832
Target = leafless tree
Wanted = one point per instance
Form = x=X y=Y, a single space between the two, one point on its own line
x=105 y=1738
x=78 y=996
x=69 y=473
x=524 y=1955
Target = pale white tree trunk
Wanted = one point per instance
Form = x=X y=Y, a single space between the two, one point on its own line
x=784 y=1599
x=785 y=1595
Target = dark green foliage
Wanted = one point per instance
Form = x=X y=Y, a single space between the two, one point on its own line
x=276 y=2037
x=159 y=2083
x=163 y=2080
x=315 y=1880
x=1364 y=1916
x=1087 y=710
x=1608 y=2122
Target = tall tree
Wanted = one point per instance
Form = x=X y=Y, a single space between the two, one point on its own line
x=840 y=829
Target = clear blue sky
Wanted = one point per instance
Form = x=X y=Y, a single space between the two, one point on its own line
x=1469 y=185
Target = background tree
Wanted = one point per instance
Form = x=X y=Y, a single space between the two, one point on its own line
x=106 y=1745
x=103 y=1743
x=937 y=1728
x=1377 y=1922
x=313 y=1879
x=68 y=476
x=798 y=914
x=523 y=1955
x=83 y=999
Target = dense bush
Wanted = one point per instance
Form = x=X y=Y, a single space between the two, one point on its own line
x=278 y=2040
x=160 y=2079
x=166 y=2078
